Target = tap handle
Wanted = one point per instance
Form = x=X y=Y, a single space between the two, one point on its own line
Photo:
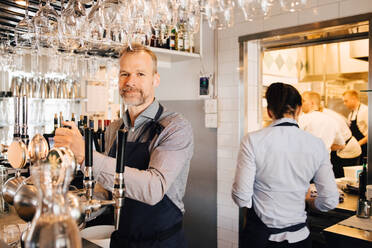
x=120 y=159
x=88 y=136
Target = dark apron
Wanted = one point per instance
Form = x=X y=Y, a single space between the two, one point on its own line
x=255 y=233
x=143 y=225
x=358 y=135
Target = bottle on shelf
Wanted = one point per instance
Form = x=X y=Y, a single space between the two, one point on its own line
x=85 y=121
x=55 y=121
x=60 y=119
x=192 y=44
x=173 y=39
x=180 y=38
x=186 y=41
x=73 y=117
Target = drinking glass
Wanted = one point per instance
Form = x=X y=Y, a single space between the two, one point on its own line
x=10 y=234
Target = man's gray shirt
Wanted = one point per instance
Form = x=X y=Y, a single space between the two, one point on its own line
x=170 y=155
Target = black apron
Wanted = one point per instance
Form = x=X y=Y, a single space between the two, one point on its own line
x=358 y=135
x=255 y=233
x=143 y=225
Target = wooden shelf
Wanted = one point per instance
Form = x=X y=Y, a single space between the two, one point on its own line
x=172 y=55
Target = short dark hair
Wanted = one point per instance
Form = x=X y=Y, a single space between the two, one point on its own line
x=282 y=99
x=138 y=48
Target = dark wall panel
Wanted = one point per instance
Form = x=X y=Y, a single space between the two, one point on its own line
x=200 y=220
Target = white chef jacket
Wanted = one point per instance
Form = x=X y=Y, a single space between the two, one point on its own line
x=322 y=126
x=352 y=148
x=274 y=168
x=362 y=118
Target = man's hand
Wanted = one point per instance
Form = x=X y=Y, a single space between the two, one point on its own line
x=72 y=139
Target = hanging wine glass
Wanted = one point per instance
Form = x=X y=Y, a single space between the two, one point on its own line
x=24 y=31
x=71 y=25
x=46 y=25
x=255 y=9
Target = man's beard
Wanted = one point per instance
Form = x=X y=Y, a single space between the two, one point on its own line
x=133 y=101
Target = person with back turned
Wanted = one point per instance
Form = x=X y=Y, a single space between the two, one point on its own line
x=274 y=169
x=158 y=153
x=357 y=119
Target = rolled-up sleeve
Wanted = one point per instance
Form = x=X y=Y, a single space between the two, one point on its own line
x=242 y=189
x=171 y=154
x=325 y=184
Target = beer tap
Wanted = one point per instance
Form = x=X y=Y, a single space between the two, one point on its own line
x=24 y=135
x=119 y=185
x=88 y=173
x=17 y=104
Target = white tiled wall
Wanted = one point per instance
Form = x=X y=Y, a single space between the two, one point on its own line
x=228 y=94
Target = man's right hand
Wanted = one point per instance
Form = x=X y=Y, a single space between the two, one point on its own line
x=71 y=138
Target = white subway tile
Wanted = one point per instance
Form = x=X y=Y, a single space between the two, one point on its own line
x=228 y=211
x=225 y=223
x=228 y=67
x=226 y=140
x=281 y=21
x=228 y=92
x=226 y=167
x=225 y=128
x=235 y=244
x=224 y=187
x=224 y=244
x=228 y=115
x=225 y=153
x=246 y=27
x=226 y=33
x=355 y=7
x=235 y=225
x=228 y=104
x=228 y=55
x=225 y=176
x=225 y=199
x=317 y=14
x=226 y=79
x=226 y=44
x=227 y=235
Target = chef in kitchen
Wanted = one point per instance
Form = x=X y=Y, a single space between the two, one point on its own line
x=319 y=124
x=357 y=119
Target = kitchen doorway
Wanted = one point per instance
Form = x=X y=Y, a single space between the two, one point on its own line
x=329 y=58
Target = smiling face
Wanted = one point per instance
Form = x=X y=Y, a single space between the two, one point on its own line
x=137 y=79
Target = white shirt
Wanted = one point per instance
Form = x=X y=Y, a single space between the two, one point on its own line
x=352 y=148
x=362 y=118
x=322 y=126
x=274 y=169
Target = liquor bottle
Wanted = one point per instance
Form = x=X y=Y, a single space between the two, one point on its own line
x=81 y=125
x=85 y=121
x=73 y=117
x=153 y=38
x=180 y=45
x=107 y=123
x=186 y=41
x=172 y=39
x=363 y=183
x=55 y=123
x=192 y=44
x=164 y=36
x=91 y=124
x=60 y=119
